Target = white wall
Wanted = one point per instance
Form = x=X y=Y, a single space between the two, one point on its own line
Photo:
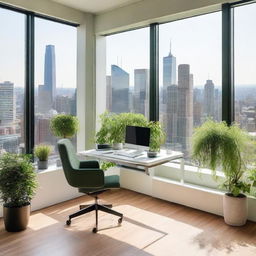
x=150 y=11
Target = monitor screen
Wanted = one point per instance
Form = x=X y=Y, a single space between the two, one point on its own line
x=137 y=135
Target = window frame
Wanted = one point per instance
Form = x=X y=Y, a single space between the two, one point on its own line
x=29 y=90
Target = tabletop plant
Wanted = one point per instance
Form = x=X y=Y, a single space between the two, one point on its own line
x=42 y=152
x=64 y=125
x=221 y=147
x=157 y=136
x=17 y=188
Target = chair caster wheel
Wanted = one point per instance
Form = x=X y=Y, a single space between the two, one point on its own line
x=94 y=230
x=68 y=222
x=120 y=220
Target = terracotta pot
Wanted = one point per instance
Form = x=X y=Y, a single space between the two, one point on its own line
x=16 y=218
x=235 y=209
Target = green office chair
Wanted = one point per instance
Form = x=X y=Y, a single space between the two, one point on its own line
x=89 y=179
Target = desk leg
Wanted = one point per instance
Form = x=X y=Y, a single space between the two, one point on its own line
x=182 y=170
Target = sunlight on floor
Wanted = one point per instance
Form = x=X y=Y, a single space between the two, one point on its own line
x=39 y=220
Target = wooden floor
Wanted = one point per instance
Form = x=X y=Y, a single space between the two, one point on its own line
x=150 y=227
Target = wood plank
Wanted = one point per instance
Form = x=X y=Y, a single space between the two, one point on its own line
x=151 y=227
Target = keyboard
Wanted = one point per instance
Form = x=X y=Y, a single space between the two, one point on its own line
x=129 y=154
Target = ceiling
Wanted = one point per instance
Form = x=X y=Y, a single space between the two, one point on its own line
x=95 y=6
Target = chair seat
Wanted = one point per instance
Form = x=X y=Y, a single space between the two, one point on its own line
x=111 y=181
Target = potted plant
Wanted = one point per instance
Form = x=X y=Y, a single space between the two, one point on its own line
x=17 y=187
x=157 y=138
x=42 y=152
x=64 y=126
x=217 y=145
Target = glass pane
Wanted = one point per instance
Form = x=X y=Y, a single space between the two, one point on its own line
x=245 y=63
x=55 y=76
x=127 y=77
x=189 y=76
x=12 y=78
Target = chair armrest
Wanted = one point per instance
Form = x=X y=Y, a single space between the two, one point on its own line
x=89 y=164
x=84 y=177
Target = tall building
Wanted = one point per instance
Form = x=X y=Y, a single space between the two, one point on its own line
x=7 y=103
x=141 y=89
x=63 y=104
x=47 y=91
x=120 y=89
x=169 y=70
x=108 y=93
x=197 y=106
x=171 y=113
x=185 y=107
x=217 y=105
x=209 y=99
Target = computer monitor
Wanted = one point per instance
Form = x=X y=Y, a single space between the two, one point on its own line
x=137 y=137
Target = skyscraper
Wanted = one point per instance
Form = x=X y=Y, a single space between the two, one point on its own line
x=120 y=89
x=7 y=104
x=47 y=91
x=141 y=88
x=185 y=107
x=50 y=71
x=169 y=70
x=209 y=99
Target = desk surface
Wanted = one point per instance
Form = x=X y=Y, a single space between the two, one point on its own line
x=141 y=160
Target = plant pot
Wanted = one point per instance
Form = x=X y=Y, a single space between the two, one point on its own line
x=235 y=209
x=16 y=218
x=42 y=164
x=152 y=154
x=117 y=146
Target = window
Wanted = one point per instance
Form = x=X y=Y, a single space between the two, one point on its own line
x=12 y=80
x=127 y=80
x=189 y=76
x=55 y=76
x=244 y=65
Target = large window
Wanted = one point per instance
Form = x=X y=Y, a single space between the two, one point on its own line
x=12 y=80
x=127 y=80
x=189 y=76
x=245 y=64
x=55 y=76
x=37 y=77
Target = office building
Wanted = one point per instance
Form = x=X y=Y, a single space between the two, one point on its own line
x=7 y=103
x=209 y=99
x=120 y=89
x=141 y=87
x=185 y=107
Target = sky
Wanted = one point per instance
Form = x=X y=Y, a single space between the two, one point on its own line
x=12 y=49
x=195 y=41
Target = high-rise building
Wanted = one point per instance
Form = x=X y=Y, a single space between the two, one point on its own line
x=217 y=105
x=108 y=93
x=120 y=89
x=209 y=99
x=7 y=103
x=50 y=71
x=197 y=106
x=47 y=91
x=141 y=88
x=185 y=107
x=169 y=70
x=63 y=104
x=171 y=113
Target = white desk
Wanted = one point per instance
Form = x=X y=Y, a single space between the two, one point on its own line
x=141 y=162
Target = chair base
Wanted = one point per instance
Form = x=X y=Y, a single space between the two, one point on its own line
x=95 y=207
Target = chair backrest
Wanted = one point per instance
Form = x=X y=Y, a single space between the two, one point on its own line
x=68 y=158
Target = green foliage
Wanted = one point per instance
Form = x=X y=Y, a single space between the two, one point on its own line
x=157 y=136
x=64 y=126
x=218 y=145
x=43 y=151
x=106 y=165
x=17 y=179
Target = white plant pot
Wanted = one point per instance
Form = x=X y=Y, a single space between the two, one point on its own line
x=117 y=146
x=235 y=210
